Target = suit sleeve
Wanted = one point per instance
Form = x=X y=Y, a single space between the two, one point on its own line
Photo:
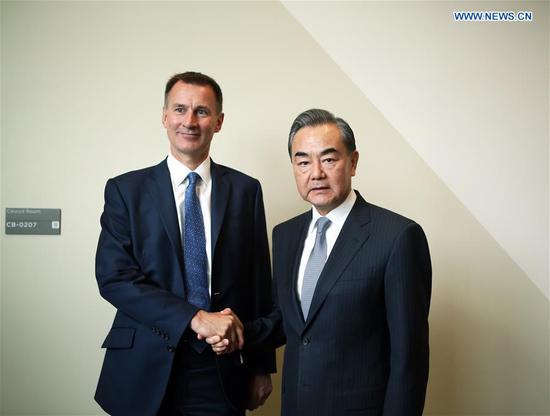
x=121 y=280
x=407 y=297
x=262 y=361
x=267 y=331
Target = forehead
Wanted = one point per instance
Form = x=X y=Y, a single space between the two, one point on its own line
x=317 y=138
x=183 y=93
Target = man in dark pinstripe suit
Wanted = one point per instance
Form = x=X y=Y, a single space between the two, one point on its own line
x=357 y=335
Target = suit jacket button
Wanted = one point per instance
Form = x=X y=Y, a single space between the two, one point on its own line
x=305 y=341
x=171 y=348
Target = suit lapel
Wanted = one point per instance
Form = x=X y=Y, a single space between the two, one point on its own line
x=220 y=197
x=349 y=241
x=159 y=187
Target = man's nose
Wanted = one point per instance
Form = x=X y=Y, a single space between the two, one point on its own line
x=189 y=119
x=317 y=171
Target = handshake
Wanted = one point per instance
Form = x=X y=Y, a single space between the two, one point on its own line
x=222 y=330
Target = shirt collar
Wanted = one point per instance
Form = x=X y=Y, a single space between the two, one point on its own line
x=337 y=215
x=179 y=172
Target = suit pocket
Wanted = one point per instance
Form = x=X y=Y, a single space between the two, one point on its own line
x=119 y=338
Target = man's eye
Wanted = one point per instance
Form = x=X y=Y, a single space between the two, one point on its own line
x=303 y=163
x=329 y=160
x=179 y=110
x=202 y=112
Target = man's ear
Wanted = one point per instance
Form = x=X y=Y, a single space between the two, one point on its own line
x=354 y=161
x=219 y=123
x=164 y=116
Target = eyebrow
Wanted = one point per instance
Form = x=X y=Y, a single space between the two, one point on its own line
x=324 y=152
x=198 y=107
x=328 y=151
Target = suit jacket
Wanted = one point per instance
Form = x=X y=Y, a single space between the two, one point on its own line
x=364 y=347
x=139 y=269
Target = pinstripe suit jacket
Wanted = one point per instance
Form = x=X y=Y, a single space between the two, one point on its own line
x=364 y=347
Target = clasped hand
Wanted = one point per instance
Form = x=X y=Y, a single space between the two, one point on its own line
x=222 y=330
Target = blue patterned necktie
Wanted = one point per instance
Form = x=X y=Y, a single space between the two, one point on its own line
x=194 y=248
x=315 y=264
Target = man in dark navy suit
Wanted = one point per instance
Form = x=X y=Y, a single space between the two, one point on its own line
x=180 y=242
x=352 y=285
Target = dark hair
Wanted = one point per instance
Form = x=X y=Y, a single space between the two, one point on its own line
x=196 y=78
x=316 y=117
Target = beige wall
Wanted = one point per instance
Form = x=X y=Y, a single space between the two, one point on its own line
x=468 y=83
x=81 y=100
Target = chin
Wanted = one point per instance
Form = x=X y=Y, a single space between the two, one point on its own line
x=321 y=205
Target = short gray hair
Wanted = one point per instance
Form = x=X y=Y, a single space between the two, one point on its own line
x=317 y=117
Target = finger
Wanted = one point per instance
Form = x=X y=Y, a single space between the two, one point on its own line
x=223 y=343
x=214 y=340
x=220 y=345
x=222 y=349
x=229 y=335
x=226 y=311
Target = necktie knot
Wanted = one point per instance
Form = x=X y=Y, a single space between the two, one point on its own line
x=322 y=225
x=193 y=178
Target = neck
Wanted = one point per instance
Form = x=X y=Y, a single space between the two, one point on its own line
x=191 y=162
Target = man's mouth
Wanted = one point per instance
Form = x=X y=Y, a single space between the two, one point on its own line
x=319 y=189
x=187 y=133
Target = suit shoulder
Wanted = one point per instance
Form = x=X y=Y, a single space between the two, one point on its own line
x=390 y=220
x=132 y=182
x=135 y=175
x=292 y=224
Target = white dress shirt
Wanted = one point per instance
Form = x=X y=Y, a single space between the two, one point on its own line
x=178 y=176
x=337 y=217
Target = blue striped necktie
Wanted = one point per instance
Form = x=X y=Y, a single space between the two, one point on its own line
x=194 y=248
